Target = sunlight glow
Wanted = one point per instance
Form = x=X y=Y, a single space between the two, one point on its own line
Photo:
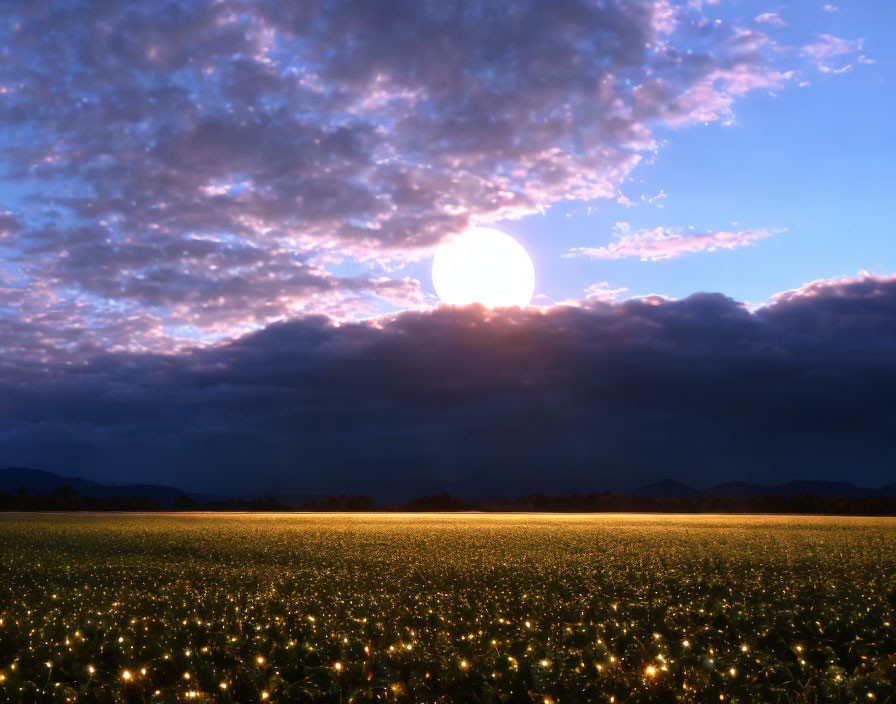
x=483 y=266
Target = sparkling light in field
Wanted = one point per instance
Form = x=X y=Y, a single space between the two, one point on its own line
x=460 y=621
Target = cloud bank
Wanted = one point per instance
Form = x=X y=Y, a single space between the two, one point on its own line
x=603 y=395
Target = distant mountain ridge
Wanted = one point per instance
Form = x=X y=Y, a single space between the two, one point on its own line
x=42 y=483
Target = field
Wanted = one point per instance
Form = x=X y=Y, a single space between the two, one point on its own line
x=440 y=608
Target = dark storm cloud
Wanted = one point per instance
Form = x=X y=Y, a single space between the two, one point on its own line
x=204 y=161
x=600 y=396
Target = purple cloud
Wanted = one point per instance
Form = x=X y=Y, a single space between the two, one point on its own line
x=9 y=225
x=206 y=164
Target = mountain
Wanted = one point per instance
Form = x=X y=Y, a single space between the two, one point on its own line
x=37 y=481
x=664 y=489
x=42 y=483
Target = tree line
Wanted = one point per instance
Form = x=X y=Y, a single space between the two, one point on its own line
x=65 y=498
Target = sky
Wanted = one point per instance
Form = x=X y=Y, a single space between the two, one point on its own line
x=218 y=218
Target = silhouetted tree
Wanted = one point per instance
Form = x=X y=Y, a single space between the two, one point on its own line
x=184 y=503
x=63 y=498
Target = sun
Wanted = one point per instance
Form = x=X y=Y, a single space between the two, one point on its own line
x=483 y=266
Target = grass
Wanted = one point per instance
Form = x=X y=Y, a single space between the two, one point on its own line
x=439 y=608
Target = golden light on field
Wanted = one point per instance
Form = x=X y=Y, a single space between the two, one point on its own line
x=484 y=266
x=742 y=606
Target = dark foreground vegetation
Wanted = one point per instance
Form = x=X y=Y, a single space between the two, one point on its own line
x=66 y=499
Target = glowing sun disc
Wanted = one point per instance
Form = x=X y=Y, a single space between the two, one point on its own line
x=483 y=266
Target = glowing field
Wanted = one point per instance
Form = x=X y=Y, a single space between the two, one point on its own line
x=447 y=608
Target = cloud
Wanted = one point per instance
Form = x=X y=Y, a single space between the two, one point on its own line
x=666 y=243
x=771 y=18
x=602 y=395
x=835 y=54
x=9 y=225
x=206 y=163
x=603 y=291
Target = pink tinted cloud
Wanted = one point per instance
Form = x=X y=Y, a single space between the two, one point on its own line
x=835 y=54
x=604 y=291
x=666 y=243
x=771 y=18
